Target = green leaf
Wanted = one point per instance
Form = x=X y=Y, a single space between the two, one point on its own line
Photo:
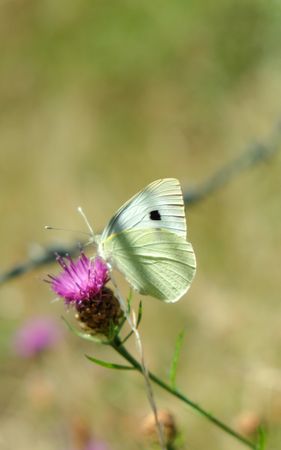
x=139 y=314
x=109 y=365
x=261 y=439
x=129 y=300
x=174 y=365
x=115 y=330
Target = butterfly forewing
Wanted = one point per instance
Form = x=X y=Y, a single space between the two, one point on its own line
x=156 y=262
x=159 y=205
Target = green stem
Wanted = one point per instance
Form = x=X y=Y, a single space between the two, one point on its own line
x=117 y=345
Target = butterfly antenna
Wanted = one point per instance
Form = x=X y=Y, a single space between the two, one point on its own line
x=49 y=227
x=80 y=210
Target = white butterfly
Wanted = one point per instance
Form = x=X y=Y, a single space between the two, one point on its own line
x=146 y=241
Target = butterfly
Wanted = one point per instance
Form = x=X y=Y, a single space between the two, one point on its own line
x=146 y=241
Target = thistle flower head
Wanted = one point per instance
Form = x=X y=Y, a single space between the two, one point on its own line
x=81 y=280
x=36 y=336
x=82 y=284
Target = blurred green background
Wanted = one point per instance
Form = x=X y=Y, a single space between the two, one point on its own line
x=97 y=99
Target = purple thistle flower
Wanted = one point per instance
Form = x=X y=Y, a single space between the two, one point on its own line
x=35 y=336
x=96 y=445
x=82 y=284
x=81 y=280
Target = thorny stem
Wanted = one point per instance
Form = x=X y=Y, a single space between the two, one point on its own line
x=117 y=345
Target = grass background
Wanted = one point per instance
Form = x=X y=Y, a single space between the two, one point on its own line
x=97 y=99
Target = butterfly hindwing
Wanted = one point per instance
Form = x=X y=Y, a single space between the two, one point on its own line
x=156 y=262
x=159 y=205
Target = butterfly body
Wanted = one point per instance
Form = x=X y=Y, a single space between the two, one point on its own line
x=146 y=241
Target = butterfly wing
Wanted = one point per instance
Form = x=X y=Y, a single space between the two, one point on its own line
x=159 y=205
x=155 y=262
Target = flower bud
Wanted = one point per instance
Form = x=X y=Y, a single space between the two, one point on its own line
x=166 y=420
x=248 y=423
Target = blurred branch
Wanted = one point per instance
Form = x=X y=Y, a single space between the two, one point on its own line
x=44 y=256
x=257 y=153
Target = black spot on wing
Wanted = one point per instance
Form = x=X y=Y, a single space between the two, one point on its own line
x=155 y=215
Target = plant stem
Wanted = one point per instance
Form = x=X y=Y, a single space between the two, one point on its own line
x=117 y=345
